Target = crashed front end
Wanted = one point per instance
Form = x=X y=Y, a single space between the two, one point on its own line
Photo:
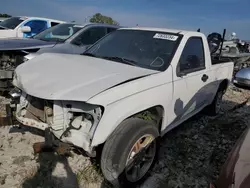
x=8 y=62
x=71 y=122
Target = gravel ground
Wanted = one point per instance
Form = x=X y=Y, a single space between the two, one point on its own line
x=190 y=155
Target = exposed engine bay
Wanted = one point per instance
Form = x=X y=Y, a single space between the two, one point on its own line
x=9 y=60
x=71 y=122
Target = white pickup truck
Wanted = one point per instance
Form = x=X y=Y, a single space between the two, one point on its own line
x=124 y=92
x=23 y=26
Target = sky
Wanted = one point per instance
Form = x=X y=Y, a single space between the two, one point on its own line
x=208 y=15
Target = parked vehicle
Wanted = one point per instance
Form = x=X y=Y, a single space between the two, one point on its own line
x=67 y=38
x=2 y=19
x=69 y=42
x=235 y=172
x=22 y=26
x=242 y=78
x=124 y=92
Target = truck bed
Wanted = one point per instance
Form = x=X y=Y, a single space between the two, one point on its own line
x=216 y=60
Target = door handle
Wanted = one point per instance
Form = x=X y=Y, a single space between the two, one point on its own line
x=204 y=77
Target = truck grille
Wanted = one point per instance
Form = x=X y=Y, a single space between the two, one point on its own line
x=40 y=110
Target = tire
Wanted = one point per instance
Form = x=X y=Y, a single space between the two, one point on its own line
x=215 y=107
x=119 y=146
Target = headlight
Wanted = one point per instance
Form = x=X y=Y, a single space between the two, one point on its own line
x=83 y=115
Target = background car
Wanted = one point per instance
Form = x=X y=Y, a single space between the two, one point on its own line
x=69 y=38
x=22 y=26
x=242 y=78
x=2 y=19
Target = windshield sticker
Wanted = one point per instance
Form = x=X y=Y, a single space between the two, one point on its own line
x=165 y=37
x=81 y=26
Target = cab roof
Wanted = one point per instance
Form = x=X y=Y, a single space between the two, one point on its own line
x=31 y=17
x=175 y=31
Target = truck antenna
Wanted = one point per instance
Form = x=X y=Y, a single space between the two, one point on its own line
x=223 y=38
x=198 y=30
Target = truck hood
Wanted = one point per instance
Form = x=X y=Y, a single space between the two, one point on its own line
x=72 y=77
x=23 y=43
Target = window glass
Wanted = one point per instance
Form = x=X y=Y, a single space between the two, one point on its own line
x=109 y=29
x=54 y=24
x=59 y=33
x=192 y=56
x=11 y=23
x=90 y=36
x=146 y=49
x=37 y=26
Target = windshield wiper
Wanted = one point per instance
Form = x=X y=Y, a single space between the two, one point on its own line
x=120 y=59
x=89 y=54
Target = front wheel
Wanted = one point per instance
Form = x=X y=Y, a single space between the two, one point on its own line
x=129 y=152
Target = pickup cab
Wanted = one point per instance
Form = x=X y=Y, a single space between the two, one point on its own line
x=122 y=94
x=23 y=26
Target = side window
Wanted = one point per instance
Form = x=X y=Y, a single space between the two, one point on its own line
x=110 y=29
x=192 y=57
x=53 y=24
x=37 y=26
x=90 y=36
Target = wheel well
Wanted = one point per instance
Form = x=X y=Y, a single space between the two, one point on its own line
x=152 y=114
x=223 y=85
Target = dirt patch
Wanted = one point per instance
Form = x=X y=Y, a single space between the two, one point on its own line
x=190 y=155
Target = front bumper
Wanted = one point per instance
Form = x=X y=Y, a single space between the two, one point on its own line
x=54 y=115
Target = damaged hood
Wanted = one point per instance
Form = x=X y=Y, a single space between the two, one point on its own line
x=72 y=77
x=23 y=44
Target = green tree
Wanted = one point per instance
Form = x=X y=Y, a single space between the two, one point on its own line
x=5 y=15
x=99 y=18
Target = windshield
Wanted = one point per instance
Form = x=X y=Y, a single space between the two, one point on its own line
x=59 y=33
x=11 y=23
x=146 y=49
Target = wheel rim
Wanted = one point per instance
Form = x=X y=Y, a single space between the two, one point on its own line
x=140 y=158
x=218 y=102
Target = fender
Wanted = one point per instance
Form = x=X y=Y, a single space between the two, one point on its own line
x=118 y=111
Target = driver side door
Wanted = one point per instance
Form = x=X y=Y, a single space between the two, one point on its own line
x=190 y=81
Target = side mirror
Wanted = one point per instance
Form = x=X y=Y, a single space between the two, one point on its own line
x=181 y=74
x=26 y=29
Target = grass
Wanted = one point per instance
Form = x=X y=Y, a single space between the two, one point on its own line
x=90 y=174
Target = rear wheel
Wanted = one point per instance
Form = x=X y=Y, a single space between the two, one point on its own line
x=129 y=152
x=215 y=108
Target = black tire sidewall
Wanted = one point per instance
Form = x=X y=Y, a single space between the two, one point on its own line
x=220 y=92
x=119 y=145
x=211 y=109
